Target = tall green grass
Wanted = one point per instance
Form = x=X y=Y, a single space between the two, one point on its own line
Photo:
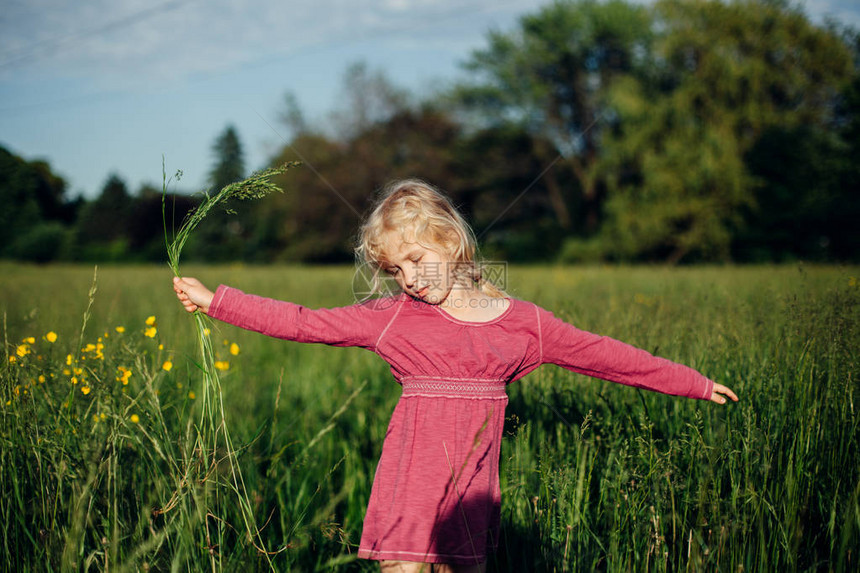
x=200 y=490
x=595 y=476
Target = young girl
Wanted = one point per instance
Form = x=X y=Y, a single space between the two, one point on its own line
x=454 y=342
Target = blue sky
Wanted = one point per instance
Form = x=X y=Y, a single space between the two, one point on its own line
x=109 y=86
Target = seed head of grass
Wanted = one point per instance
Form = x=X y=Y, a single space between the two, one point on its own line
x=257 y=186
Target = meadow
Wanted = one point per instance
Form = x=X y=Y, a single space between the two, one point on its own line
x=101 y=394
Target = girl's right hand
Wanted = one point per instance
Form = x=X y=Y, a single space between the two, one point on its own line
x=721 y=393
x=192 y=294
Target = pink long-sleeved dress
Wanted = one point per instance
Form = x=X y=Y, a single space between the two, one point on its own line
x=435 y=495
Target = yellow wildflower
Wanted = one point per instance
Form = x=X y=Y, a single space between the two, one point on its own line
x=120 y=329
x=234 y=349
x=96 y=418
x=12 y=359
x=41 y=378
x=191 y=395
x=206 y=332
x=167 y=365
x=74 y=380
x=150 y=321
x=51 y=337
x=102 y=417
x=85 y=390
x=68 y=360
x=124 y=375
x=89 y=348
x=22 y=350
x=222 y=364
x=161 y=347
x=150 y=332
x=135 y=418
x=29 y=340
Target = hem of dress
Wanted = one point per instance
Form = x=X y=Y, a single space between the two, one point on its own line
x=420 y=557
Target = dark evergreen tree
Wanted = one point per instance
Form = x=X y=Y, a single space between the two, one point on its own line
x=229 y=160
x=224 y=235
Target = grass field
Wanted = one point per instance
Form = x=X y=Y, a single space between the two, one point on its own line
x=99 y=470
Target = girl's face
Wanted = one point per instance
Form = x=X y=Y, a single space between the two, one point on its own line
x=421 y=272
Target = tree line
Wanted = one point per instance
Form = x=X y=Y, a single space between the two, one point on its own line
x=684 y=131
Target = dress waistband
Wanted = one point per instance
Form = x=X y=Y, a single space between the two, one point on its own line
x=458 y=388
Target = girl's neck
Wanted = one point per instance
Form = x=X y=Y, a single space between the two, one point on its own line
x=470 y=304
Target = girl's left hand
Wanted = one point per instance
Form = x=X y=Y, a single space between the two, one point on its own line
x=720 y=393
x=193 y=294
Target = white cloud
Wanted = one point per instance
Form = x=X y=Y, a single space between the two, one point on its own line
x=137 y=42
x=846 y=12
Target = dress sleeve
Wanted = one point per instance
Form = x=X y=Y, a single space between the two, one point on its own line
x=357 y=325
x=608 y=359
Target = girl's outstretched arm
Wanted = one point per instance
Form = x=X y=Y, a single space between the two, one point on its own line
x=192 y=294
x=720 y=393
x=356 y=325
x=602 y=357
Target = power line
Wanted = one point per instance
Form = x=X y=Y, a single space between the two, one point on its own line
x=307 y=49
x=45 y=47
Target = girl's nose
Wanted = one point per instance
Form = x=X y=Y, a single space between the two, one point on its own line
x=410 y=274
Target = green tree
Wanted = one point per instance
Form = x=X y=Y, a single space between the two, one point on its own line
x=229 y=165
x=675 y=160
x=483 y=170
x=101 y=228
x=808 y=196
x=20 y=210
x=336 y=184
x=495 y=182
x=224 y=235
x=375 y=136
x=552 y=75
x=36 y=211
x=145 y=230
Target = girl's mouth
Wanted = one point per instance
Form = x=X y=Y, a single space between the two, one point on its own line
x=423 y=292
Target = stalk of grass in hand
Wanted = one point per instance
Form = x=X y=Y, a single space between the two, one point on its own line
x=212 y=432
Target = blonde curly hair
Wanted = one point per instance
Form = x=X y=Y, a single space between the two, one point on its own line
x=423 y=215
